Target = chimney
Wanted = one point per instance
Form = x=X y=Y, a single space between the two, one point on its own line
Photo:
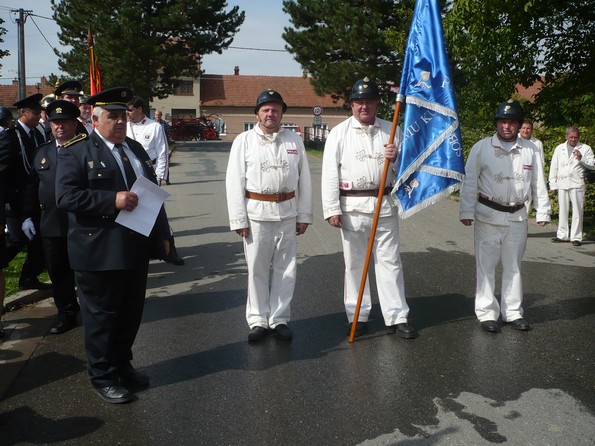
x=236 y=70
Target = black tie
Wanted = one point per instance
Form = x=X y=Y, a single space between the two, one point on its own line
x=32 y=137
x=128 y=170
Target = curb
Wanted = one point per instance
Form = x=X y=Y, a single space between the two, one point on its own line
x=26 y=297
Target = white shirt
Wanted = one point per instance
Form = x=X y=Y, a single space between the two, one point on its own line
x=354 y=160
x=507 y=177
x=539 y=146
x=134 y=161
x=267 y=164
x=566 y=172
x=150 y=135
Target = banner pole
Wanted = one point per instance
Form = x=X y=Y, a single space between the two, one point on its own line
x=393 y=131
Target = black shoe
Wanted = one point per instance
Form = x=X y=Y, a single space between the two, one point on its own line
x=558 y=240
x=2 y=332
x=173 y=256
x=361 y=328
x=576 y=243
x=114 y=394
x=283 y=332
x=257 y=334
x=63 y=325
x=405 y=330
x=34 y=284
x=134 y=380
x=490 y=326
x=520 y=324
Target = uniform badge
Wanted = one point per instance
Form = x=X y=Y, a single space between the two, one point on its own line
x=90 y=164
x=102 y=164
x=43 y=161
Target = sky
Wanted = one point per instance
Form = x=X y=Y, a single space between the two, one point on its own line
x=262 y=29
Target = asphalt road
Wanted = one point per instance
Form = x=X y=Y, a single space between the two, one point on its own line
x=454 y=385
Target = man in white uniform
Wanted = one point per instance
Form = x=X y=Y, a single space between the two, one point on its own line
x=502 y=173
x=526 y=132
x=150 y=135
x=354 y=156
x=269 y=199
x=569 y=162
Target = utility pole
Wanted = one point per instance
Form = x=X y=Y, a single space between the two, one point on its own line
x=21 y=29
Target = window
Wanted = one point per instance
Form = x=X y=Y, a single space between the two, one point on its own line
x=184 y=88
x=248 y=126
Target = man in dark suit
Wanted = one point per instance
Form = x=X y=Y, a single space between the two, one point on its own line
x=6 y=123
x=95 y=174
x=72 y=91
x=40 y=194
x=20 y=149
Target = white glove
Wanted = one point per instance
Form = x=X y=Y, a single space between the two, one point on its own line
x=28 y=228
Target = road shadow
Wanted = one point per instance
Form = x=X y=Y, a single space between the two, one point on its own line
x=24 y=425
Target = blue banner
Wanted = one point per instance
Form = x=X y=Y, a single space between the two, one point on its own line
x=431 y=164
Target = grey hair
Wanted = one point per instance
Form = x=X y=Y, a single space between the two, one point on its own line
x=573 y=129
x=98 y=111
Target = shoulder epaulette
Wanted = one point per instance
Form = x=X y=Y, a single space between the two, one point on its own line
x=77 y=138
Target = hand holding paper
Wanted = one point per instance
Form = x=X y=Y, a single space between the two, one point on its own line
x=150 y=199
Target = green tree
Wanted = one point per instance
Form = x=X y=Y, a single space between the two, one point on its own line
x=341 y=41
x=144 y=44
x=496 y=45
x=3 y=53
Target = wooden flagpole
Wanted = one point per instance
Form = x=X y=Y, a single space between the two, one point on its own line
x=400 y=100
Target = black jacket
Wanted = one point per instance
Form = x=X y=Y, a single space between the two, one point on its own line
x=87 y=181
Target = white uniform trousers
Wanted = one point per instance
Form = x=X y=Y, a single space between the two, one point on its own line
x=576 y=196
x=387 y=265
x=270 y=251
x=494 y=244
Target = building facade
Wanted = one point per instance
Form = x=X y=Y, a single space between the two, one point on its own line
x=228 y=102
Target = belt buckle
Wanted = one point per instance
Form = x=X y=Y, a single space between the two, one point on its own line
x=279 y=197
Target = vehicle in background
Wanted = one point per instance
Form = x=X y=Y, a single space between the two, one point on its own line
x=293 y=128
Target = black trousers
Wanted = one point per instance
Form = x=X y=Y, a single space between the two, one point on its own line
x=63 y=285
x=16 y=240
x=112 y=307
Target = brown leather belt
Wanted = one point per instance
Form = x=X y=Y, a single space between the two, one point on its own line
x=282 y=196
x=499 y=207
x=364 y=193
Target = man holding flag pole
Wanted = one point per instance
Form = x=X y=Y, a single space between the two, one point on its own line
x=430 y=164
x=352 y=179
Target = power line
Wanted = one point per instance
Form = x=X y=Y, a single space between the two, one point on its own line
x=40 y=32
x=256 y=49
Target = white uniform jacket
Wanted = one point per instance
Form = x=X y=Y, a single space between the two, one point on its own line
x=268 y=164
x=151 y=136
x=506 y=177
x=354 y=160
x=540 y=149
x=566 y=172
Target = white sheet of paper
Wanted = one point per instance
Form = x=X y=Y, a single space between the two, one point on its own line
x=150 y=199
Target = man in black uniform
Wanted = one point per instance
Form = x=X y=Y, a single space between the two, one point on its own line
x=18 y=154
x=6 y=123
x=72 y=91
x=40 y=194
x=111 y=262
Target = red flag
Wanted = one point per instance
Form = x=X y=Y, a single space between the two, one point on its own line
x=94 y=74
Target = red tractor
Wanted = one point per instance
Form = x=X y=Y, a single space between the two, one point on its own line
x=197 y=129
